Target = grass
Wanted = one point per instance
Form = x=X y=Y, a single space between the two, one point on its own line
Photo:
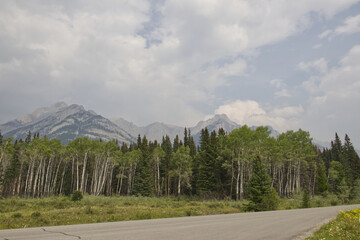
x=60 y=210
x=346 y=226
x=51 y=211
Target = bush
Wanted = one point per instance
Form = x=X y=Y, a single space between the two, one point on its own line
x=36 y=214
x=17 y=215
x=305 y=200
x=270 y=201
x=76 y=196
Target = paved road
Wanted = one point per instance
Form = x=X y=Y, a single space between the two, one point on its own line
x=277 y=225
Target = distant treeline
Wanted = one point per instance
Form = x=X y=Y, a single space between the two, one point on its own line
x=220 y=167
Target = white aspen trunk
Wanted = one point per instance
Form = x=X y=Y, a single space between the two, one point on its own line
x=19 y=179
x=62 y=180
x=129 y=180
x=86 y=180
x=83 y=173
x=103 y=177
x=27 y=178
x=242 y=181
x=232 y=179
x=47 y=178
x=77 y=174
x=36 y=179
x=158 y=177
x=73 y=175
x=238 y=180
x=121 y=181
x=179 y=187
x=53 y=187
x=42 y=179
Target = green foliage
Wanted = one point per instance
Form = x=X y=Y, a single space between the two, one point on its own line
x=143 y=185
x=76 y=196
x=322 y=184
x=305 y=199
x=261 y=195
x=346 y=226
x=205 y=184
x=343 y=192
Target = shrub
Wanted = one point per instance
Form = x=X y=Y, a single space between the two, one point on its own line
x=36 y=214
x=17 y=215
x=88 y=210
x=305 y=200
x=76 y=196
x=270 y=201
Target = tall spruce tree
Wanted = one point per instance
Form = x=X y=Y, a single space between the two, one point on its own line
x=260 y=193
x=205 y=184
x=144 y=184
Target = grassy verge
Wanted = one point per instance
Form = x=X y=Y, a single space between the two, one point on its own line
x=53 y=211
x=20 y=213
x=346 y=226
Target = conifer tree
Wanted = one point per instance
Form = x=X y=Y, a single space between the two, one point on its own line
x=164 y=171
x=206 y=178
x=260 y=193
x=352 y=159
x=322 y=184
x=143 y=184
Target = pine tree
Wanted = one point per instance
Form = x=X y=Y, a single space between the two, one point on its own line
x=176 y=144
x=1 y=137
x=164 y=171
x=28 y=138
x=206 y=178
x=353 y=161
x=260 y=193
x=322 y=185
x=144 y=184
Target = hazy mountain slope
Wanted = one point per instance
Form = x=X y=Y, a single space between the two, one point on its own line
x=67 y=123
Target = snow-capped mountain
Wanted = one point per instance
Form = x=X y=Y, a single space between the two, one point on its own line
x=65 y=123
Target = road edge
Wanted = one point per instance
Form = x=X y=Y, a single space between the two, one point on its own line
x=310 y=232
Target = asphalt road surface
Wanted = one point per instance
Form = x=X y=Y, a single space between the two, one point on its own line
x=276 y=225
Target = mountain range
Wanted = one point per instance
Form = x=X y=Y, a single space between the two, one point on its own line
x=67 y=122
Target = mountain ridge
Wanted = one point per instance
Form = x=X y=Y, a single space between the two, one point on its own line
x=68 y=122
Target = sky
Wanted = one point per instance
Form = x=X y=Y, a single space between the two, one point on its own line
x=286 y=63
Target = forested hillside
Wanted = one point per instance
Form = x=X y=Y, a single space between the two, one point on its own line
x=220 y=167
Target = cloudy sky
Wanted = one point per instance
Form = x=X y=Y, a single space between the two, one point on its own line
x=286 y=63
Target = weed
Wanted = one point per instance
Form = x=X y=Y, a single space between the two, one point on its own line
x=89 y=210
x=17 y=215
x=36 y=214
x=76 y=196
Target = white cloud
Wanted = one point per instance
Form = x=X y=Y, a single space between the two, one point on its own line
x=98 y=54
x=291 y=111
x=279 y=84
x=251 y=113
x=335 y=99
x=351 y=25
x=325 y=34
x=319 y=65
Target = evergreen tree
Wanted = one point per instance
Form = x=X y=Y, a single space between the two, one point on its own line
x=322 y=184
x=260 y=193
x=353 y=161
x=143 y=184
x=164 y=171
x=176 y=144
x=205 y=184
x=28 y=138
x=1 y=137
